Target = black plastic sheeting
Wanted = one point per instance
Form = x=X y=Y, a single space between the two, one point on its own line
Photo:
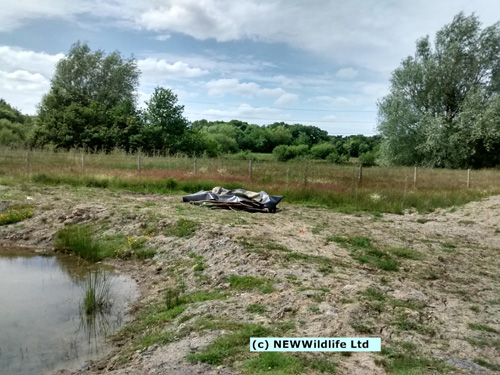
x=237 y=198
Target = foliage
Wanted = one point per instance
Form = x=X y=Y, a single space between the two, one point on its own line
x=15 y=128
x=79 y=240
x=275 y=363
x=322 y=150
x=15 y=215
x=443 y=108
x=368 y=159
x=250 y=283
x=97 y=293
x=91 y=102
x=230 y=345
x=164 y=123
x=182 y=228
x=285 y=153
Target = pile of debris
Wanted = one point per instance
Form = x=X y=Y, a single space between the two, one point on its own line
x=237 y=199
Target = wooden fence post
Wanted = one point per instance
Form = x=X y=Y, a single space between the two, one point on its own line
x=250 y=169
x=468 y=178
x=28 y=160
x=195 y=165
x=139 y=161
x=360 y=172
x=415 y=177
x=83 y=159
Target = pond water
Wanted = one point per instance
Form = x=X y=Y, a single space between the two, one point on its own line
x=43 y=323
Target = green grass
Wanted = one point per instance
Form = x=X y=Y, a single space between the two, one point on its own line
x=182 y=228
x=482 y=327
x=405 y=253
x=15 y=215
x=97 y=293
x=231 y=345
x=250 y=283
x=373 y=294
x=486 y=364
x=148 y=327
x=362 y=328
x=337 y=188
x=82 y=241
x=283 y=253
x=199 y=265
x=79 y=239
x=274 y=363
x=363 y=251
x=484 y=342
x=404 y=322
x=256 y=309
x=404 y=359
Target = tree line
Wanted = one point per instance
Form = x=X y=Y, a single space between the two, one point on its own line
x=92 y=105
x=443 y=110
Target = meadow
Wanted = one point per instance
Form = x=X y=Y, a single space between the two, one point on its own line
x=309 y=182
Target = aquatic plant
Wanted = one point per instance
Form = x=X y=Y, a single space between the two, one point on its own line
x=97 y=298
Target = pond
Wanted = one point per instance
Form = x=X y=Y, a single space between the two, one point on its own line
x=44 y=325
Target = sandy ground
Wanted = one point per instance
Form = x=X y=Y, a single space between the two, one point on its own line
x=455 y=283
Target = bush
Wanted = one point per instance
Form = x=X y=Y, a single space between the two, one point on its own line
x=335 y=158
x=368 y=159
x=322 y=150
x=285 y=153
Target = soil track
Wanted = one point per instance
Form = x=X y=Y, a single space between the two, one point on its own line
x=445 y=304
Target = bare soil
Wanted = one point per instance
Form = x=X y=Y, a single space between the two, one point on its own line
x=433 y=302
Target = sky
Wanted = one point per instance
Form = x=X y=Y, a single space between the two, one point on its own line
x=319 y=62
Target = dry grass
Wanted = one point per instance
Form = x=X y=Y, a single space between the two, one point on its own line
x=382 y=189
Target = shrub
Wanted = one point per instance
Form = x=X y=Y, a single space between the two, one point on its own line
x=336 y=158
x=285 y=153
x=368 y=159
x=15 y=215
x=322 y=150
x=79 y=240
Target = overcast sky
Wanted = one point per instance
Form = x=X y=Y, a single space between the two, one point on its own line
x=316 y=62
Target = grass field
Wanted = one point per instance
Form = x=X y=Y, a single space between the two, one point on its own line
x=310 y=182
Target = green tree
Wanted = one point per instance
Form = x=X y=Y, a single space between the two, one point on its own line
x=88 y=90
x=164 y=122
x=444 y=107
x=15 y=128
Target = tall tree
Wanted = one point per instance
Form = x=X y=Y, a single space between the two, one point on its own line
x=164 y=122
x=444 y=107
x=87 y=91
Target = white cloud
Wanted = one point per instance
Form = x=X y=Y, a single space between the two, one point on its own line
x=158 y=69
x=245 y=112
x=272 y=93
x=338 y=100
x=163 y=37
x=282 y=80
x=25 y=76
x=23 y=89
x=13 y=58
x=329 y=118
x=15 y=13
x=346 y=73
x=286 y=99
x=23 y=80
x=224 y=86
x=356 y=31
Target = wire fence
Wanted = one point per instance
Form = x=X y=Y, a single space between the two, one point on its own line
x=306 y=172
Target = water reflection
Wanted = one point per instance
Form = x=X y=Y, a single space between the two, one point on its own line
x=42 y=324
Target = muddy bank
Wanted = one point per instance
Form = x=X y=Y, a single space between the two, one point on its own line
x=428 y=285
